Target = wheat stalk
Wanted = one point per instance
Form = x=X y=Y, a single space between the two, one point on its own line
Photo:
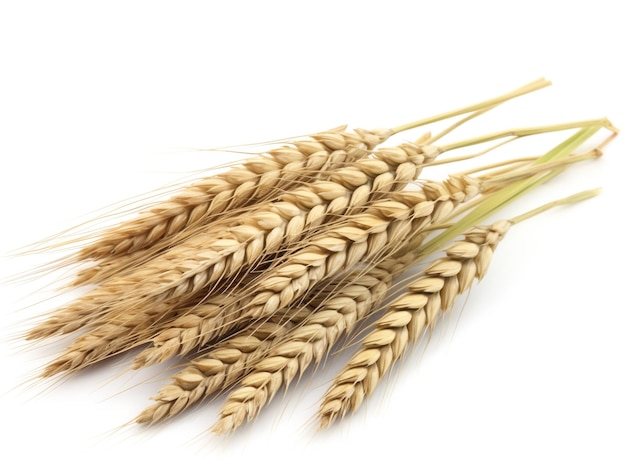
x=263 y=268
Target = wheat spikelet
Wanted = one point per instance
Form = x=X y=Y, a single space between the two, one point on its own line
x=408 y=317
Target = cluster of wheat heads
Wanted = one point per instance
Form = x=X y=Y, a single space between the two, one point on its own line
x=251 y=276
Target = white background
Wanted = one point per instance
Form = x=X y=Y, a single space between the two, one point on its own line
x=102 y=101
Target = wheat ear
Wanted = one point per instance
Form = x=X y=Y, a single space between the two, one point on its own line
x=258 y=179
x=341 y=304
x=225 y=363
x=213 y=372
x=338 y=307
x=408 y=317
x=122 y=333
x=383 y=227
x=108 y=336
x=348 y=302
x=115 y=266
x=412 y=314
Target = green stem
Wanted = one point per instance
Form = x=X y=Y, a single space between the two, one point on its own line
x=516 y=174
x=521 y=132
x=458 y=124
x=503 y=167
x=466 y=157
x=528 y=88
x=577 y=197
x=511 y=192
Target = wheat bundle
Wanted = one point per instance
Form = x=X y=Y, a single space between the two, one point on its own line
x=254 y=275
